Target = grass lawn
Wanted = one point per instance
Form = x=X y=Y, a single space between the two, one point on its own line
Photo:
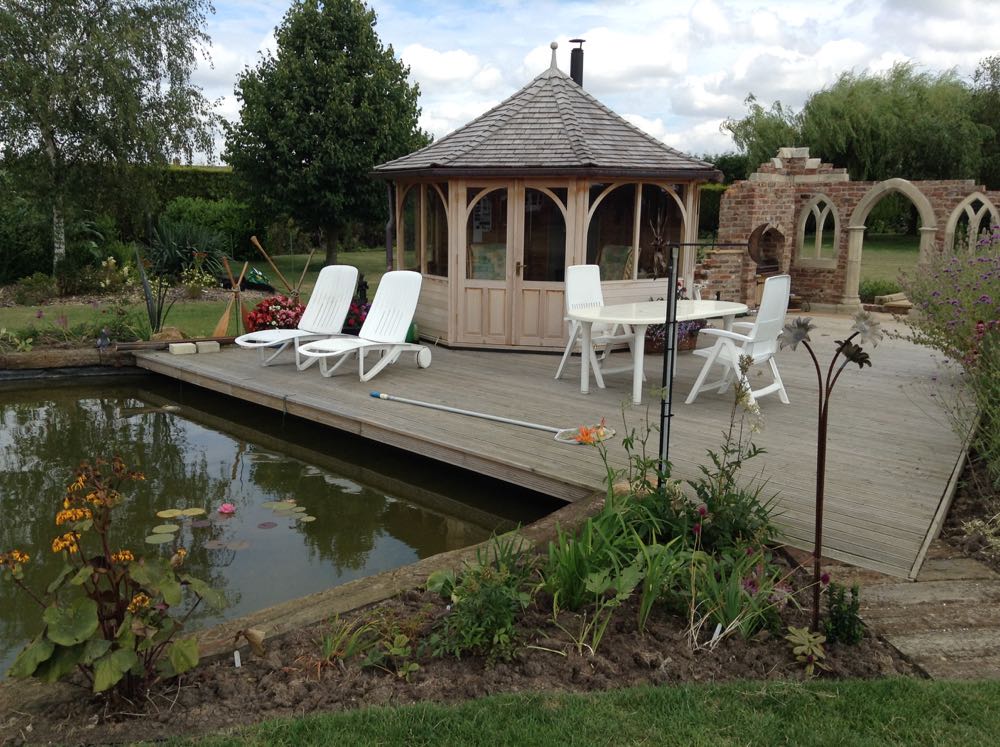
x=894 y=711
x=195 y=318
x=883 y=256
x=370 y=262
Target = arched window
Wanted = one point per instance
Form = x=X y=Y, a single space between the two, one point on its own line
x=436 y=229
x=818 y=233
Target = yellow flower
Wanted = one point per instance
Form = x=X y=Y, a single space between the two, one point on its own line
x=177 y=559
x=122 y=556
x=139 y=601
x=67 y=542
x=78 y=484
x=73 y=514
x=13 y=559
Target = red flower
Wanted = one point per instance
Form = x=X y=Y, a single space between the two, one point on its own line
x=276 y=312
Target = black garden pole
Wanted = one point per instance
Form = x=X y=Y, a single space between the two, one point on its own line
x=669 y=356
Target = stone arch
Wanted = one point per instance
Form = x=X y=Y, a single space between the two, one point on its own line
x=856 y=229
x=964 y=208
x=813 y=258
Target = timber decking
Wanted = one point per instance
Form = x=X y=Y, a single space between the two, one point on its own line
x=890 y=459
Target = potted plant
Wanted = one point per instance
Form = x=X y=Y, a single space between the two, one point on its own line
x=356 y=315
x=687 y=335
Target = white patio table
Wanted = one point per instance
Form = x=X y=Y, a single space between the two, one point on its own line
x=639 y=316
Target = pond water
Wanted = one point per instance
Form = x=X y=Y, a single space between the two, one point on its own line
x=375 y=507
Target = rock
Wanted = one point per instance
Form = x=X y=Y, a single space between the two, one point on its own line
x=168 y=333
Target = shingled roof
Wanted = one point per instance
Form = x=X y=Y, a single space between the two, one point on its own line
x=551 y=127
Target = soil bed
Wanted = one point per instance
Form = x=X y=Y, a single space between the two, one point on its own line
x=290 y=680
x=974 y=499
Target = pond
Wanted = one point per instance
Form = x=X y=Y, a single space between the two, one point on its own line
x=358 y=507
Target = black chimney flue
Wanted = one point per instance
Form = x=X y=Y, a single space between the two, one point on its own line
x=576 y=61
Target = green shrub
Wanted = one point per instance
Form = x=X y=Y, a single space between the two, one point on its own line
x=711 y=200
x=232 y=220
x=485 y=601
x=957 y=311
x=842 y=623
x=25 y=236
x=35 y=289
x=869 y=288
x=110 y=615
x=177 y=245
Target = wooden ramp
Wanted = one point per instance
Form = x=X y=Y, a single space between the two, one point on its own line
x=891 y=463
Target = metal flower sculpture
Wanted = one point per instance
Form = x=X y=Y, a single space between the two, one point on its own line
x=866 y=331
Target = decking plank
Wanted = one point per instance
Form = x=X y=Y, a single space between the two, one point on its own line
x=890 y=456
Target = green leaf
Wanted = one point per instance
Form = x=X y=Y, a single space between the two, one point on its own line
x=213 y=598
x=58 y=581
x=36 y=652
x=82 y=576
x=73 y=623
x=94 y=649
x=184 y=655
x=63 y=661
x=110 y=668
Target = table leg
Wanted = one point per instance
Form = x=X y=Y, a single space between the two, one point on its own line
x=585 y=357
x=727 y=322
x=638 y=351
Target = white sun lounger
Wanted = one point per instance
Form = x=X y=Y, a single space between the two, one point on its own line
x=384 y=330
x=324 y=316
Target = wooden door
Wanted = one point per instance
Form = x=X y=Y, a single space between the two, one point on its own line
x=484 y=305
x=539 y=256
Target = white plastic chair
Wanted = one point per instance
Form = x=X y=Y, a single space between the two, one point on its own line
x=384 y=330
x=324 y=316
x=583 y=291
x=760 y=342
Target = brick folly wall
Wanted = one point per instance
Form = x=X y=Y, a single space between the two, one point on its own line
x=767 y=210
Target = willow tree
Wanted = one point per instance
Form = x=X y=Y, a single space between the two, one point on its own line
x=900 y=123
x=317 y=115
x=95 y=82
x=986 y=112
x=917 y=125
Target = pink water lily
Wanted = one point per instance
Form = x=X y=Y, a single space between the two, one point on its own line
x=227 y=509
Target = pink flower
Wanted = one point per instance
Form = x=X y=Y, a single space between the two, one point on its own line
x=702 y=510
x=825 y=579
x=227 y=509
x=696 y=529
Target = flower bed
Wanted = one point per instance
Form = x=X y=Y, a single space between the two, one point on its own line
x=275 y=312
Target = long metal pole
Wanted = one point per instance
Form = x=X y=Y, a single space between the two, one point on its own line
x=471 y=413
x=669 y=356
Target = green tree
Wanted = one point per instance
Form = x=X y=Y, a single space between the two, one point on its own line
x=901 y=123
x=762 y=131
x=986 y=113
x=93 y=82
x=732 y=165
x=317 y=116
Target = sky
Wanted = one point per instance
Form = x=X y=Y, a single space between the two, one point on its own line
x=675 y=68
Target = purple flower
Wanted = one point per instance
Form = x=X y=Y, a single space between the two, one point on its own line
x=39 y=314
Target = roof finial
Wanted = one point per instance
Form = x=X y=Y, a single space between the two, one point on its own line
x=553 y=46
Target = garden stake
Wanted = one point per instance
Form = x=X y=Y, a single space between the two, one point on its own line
x=793 y=334
x=583 y=435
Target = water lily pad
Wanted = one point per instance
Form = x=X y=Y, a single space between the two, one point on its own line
x=298 y=510
x=276 y=504
x=305 y=519
x=165 y=529
x=201 y=523
x=193 y=511
x=284 y=508
x=214 y=545
x=267 y=525
x=159 y=539
x=237 y=545
x=169 y=513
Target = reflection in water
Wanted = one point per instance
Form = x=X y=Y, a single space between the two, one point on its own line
x=359 y=530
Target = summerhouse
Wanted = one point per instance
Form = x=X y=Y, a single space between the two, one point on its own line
x=494 y=212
